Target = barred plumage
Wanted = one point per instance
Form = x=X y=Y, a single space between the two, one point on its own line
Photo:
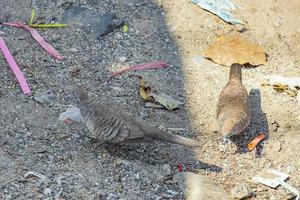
x=109 y=124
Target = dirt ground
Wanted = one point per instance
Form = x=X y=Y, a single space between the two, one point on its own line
x=32 y=138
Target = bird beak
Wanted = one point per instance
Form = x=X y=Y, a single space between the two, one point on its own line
x=225 y=140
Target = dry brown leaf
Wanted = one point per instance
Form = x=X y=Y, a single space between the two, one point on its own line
x=229 y=49
x=145 y=91
x=147 y=95
x=278 y=87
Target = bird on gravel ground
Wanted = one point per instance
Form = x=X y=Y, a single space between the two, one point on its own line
x=233 y=109
x=110 y=125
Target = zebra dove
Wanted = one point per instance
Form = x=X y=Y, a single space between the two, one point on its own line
x=111 y=125
x=233 y=109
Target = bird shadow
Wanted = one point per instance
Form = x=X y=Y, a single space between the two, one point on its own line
x=181 y=157
x=258 y=125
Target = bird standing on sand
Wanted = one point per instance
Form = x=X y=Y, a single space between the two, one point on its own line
x=111 y=125
x=233 y=109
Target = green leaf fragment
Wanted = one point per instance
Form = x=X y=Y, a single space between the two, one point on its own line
x=43 y=25
x=167 y=101
x=125 y=28
x=32 y=17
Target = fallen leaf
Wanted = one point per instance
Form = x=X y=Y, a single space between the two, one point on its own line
x=278 y=87
x=145 y=91
x=167 y=101
x=147 y=95
x=229 y=49
x=46 y=97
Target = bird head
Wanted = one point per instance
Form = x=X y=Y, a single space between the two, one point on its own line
x=80 y=95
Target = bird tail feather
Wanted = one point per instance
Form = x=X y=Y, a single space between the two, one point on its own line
x=175 y=139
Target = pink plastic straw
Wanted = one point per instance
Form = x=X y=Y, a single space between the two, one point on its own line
x=14 y=67
x=48 y=47
x=153 y=65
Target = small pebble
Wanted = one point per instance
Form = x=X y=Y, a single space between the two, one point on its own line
x=241 y=191
x=73 y=49
x=122 y=59
x=166 y=169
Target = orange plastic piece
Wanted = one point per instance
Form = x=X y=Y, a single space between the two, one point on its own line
x=255 y=141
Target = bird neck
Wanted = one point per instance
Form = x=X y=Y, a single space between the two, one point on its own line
x=235 y=72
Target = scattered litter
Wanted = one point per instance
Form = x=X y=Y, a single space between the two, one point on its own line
x=125 y=28
x=43 y=25
x=221 y=8
x=232 y=48
x=72 y=114
x=32 y=173
x=167 y=101
x=273 y=179
x=278 y=87
x=152 y=105
x=100 y=24
x=154 y=65
x=50 y=49
x=165 y=170
x=148 y=96
x=145 y=91
x=289 y=85
x=197 y=187
x=241 y=191
x=255 y=141
x=290 y=81
x=14 y=67
x=46 y=97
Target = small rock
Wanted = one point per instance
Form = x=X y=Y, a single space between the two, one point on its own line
x=73 y=49
x=118 y=89
x=276 y=146
x=46 y=97
x=47 y=192
x=122 y=59
x=274 y=127
x=197 y=187
x=112 y=196
x=137 y=176
x=166 y=169
x=241 y=191
x=298 y=97
x=172 y=192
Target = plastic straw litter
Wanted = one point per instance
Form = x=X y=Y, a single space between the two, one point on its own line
x=14 y=67
x=49 y=48
x=255 y=141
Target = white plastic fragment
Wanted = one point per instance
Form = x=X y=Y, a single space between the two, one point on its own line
x=221 y=8
x=72 y=113
x=273 y=179
x=292 y=81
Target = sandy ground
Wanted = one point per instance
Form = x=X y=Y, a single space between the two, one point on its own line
x=32 y=139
